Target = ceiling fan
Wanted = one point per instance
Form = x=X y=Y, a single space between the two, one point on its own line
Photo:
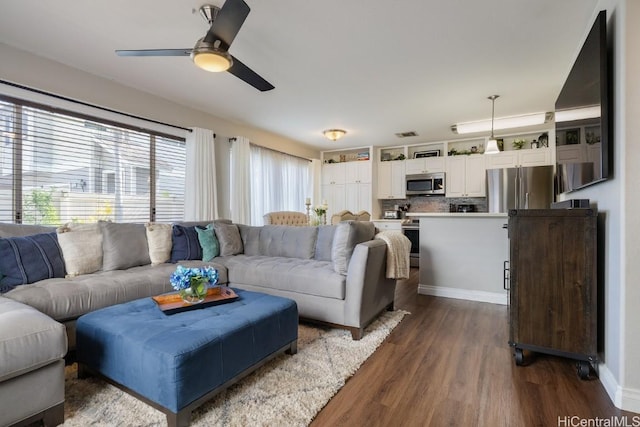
x=211 y=52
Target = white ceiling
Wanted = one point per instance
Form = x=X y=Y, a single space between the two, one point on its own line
x=371 y=67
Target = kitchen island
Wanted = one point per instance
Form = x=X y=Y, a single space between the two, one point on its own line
x=462 y=255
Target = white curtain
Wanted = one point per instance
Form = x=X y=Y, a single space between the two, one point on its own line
x=279 y=182
x=200 y=196
x=315 y=184
x=240 y=181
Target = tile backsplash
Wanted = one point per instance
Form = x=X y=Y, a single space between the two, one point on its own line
x=435 y=203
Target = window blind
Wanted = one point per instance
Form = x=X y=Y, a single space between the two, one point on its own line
x=59 y=168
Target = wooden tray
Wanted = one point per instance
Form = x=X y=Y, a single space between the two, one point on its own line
x=172 y=303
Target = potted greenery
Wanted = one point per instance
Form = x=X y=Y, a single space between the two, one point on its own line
x=518 y=143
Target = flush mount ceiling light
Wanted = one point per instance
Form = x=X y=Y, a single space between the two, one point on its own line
x=581 y=113
x=492 y=144
x=334 y=134
x=502 y=123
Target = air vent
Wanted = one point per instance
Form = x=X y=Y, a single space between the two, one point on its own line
x=406 y=134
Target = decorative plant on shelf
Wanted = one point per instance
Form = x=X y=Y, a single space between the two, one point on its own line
x=192 y=283
x=519 y=143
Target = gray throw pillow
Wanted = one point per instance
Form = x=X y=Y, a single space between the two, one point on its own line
x=250 y=239
x=348 y=235
x=324 y=242
x=124 y=246
x=229 y=238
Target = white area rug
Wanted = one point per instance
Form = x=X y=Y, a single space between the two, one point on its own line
x=287 y=391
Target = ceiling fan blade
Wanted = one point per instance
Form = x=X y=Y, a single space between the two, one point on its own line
x=227 y=23
x=249 y=76
x=154 y=52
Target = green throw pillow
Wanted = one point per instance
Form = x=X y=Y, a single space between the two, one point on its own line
x=208 y=243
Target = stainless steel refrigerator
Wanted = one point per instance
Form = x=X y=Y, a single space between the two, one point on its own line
x=519 y=188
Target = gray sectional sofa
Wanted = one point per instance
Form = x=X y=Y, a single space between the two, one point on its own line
x=336 y=275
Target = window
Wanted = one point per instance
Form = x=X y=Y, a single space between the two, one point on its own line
x=58 y=167
x=279 y=182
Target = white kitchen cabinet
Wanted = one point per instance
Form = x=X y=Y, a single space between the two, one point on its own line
x=515 y=158
x=334 y=173
x=534 y=157
x=335 y=195
x=359 y=171
x=358 y=197
x=391 y=180
x=424 y=165
x=466 y=176
x=388 y=225
x=347 y=186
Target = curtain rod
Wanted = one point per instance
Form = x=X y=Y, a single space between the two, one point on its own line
x=271 y=149
x=86 y=104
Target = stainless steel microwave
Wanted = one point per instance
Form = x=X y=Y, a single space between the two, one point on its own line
x=425 y=184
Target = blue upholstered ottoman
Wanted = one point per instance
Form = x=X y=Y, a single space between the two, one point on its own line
x=177 y=362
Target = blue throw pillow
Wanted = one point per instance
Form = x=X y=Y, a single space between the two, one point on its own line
x=28 y=259
x=185 y=244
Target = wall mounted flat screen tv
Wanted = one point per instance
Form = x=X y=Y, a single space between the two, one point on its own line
x=583 y=116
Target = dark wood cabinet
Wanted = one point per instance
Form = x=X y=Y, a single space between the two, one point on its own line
x=553 y=284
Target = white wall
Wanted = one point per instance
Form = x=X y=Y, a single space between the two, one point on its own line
x=618 y=201
x=21 y=67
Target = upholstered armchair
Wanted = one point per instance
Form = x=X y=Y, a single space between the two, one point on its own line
x=348 y=215
x=286 y=218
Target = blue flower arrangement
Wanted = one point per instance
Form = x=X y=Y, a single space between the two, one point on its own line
x=192 y=283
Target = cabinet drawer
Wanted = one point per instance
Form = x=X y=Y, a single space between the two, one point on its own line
x=388 y=225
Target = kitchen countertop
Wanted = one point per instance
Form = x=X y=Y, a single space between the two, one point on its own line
x=455 y=215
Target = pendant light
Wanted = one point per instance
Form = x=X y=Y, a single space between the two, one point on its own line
x=492 y=144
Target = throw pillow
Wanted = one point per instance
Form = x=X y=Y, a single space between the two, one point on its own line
x=185 y=244
x=159 y=241
x=229 y=237
x=324 y=242
x=81 y=246
x=348 y=235
x=28 y=259
x=250 y=235
x=124 y=246
x=208 y=243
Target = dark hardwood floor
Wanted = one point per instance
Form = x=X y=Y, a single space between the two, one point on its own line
x=448 y=364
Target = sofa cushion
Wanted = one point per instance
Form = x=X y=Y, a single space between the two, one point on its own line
x=324 y=242
x=123 y=246
x=250 y=236
x=159 y=242
x=185 y=244
x=229 y=237
x=21 y=230
x=348 y=235
x=66 y=299
x=208 y=242
x=305 y=276
x=28 y=339
x=288 y=241
x=29 y=259
x=81 y=248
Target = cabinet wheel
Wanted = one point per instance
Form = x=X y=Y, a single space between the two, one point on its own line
x=518 y=354
x=583 y=369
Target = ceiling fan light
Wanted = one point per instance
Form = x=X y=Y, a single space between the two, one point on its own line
x=334 y=134
x=212 y=60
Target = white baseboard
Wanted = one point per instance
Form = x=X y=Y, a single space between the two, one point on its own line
x=466 y=294
x=627 y=399
x=610 y=384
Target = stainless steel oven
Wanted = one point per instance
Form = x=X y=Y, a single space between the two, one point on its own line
x=412 y=231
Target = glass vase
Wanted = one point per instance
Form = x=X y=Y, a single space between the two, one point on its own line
x=195 y=293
